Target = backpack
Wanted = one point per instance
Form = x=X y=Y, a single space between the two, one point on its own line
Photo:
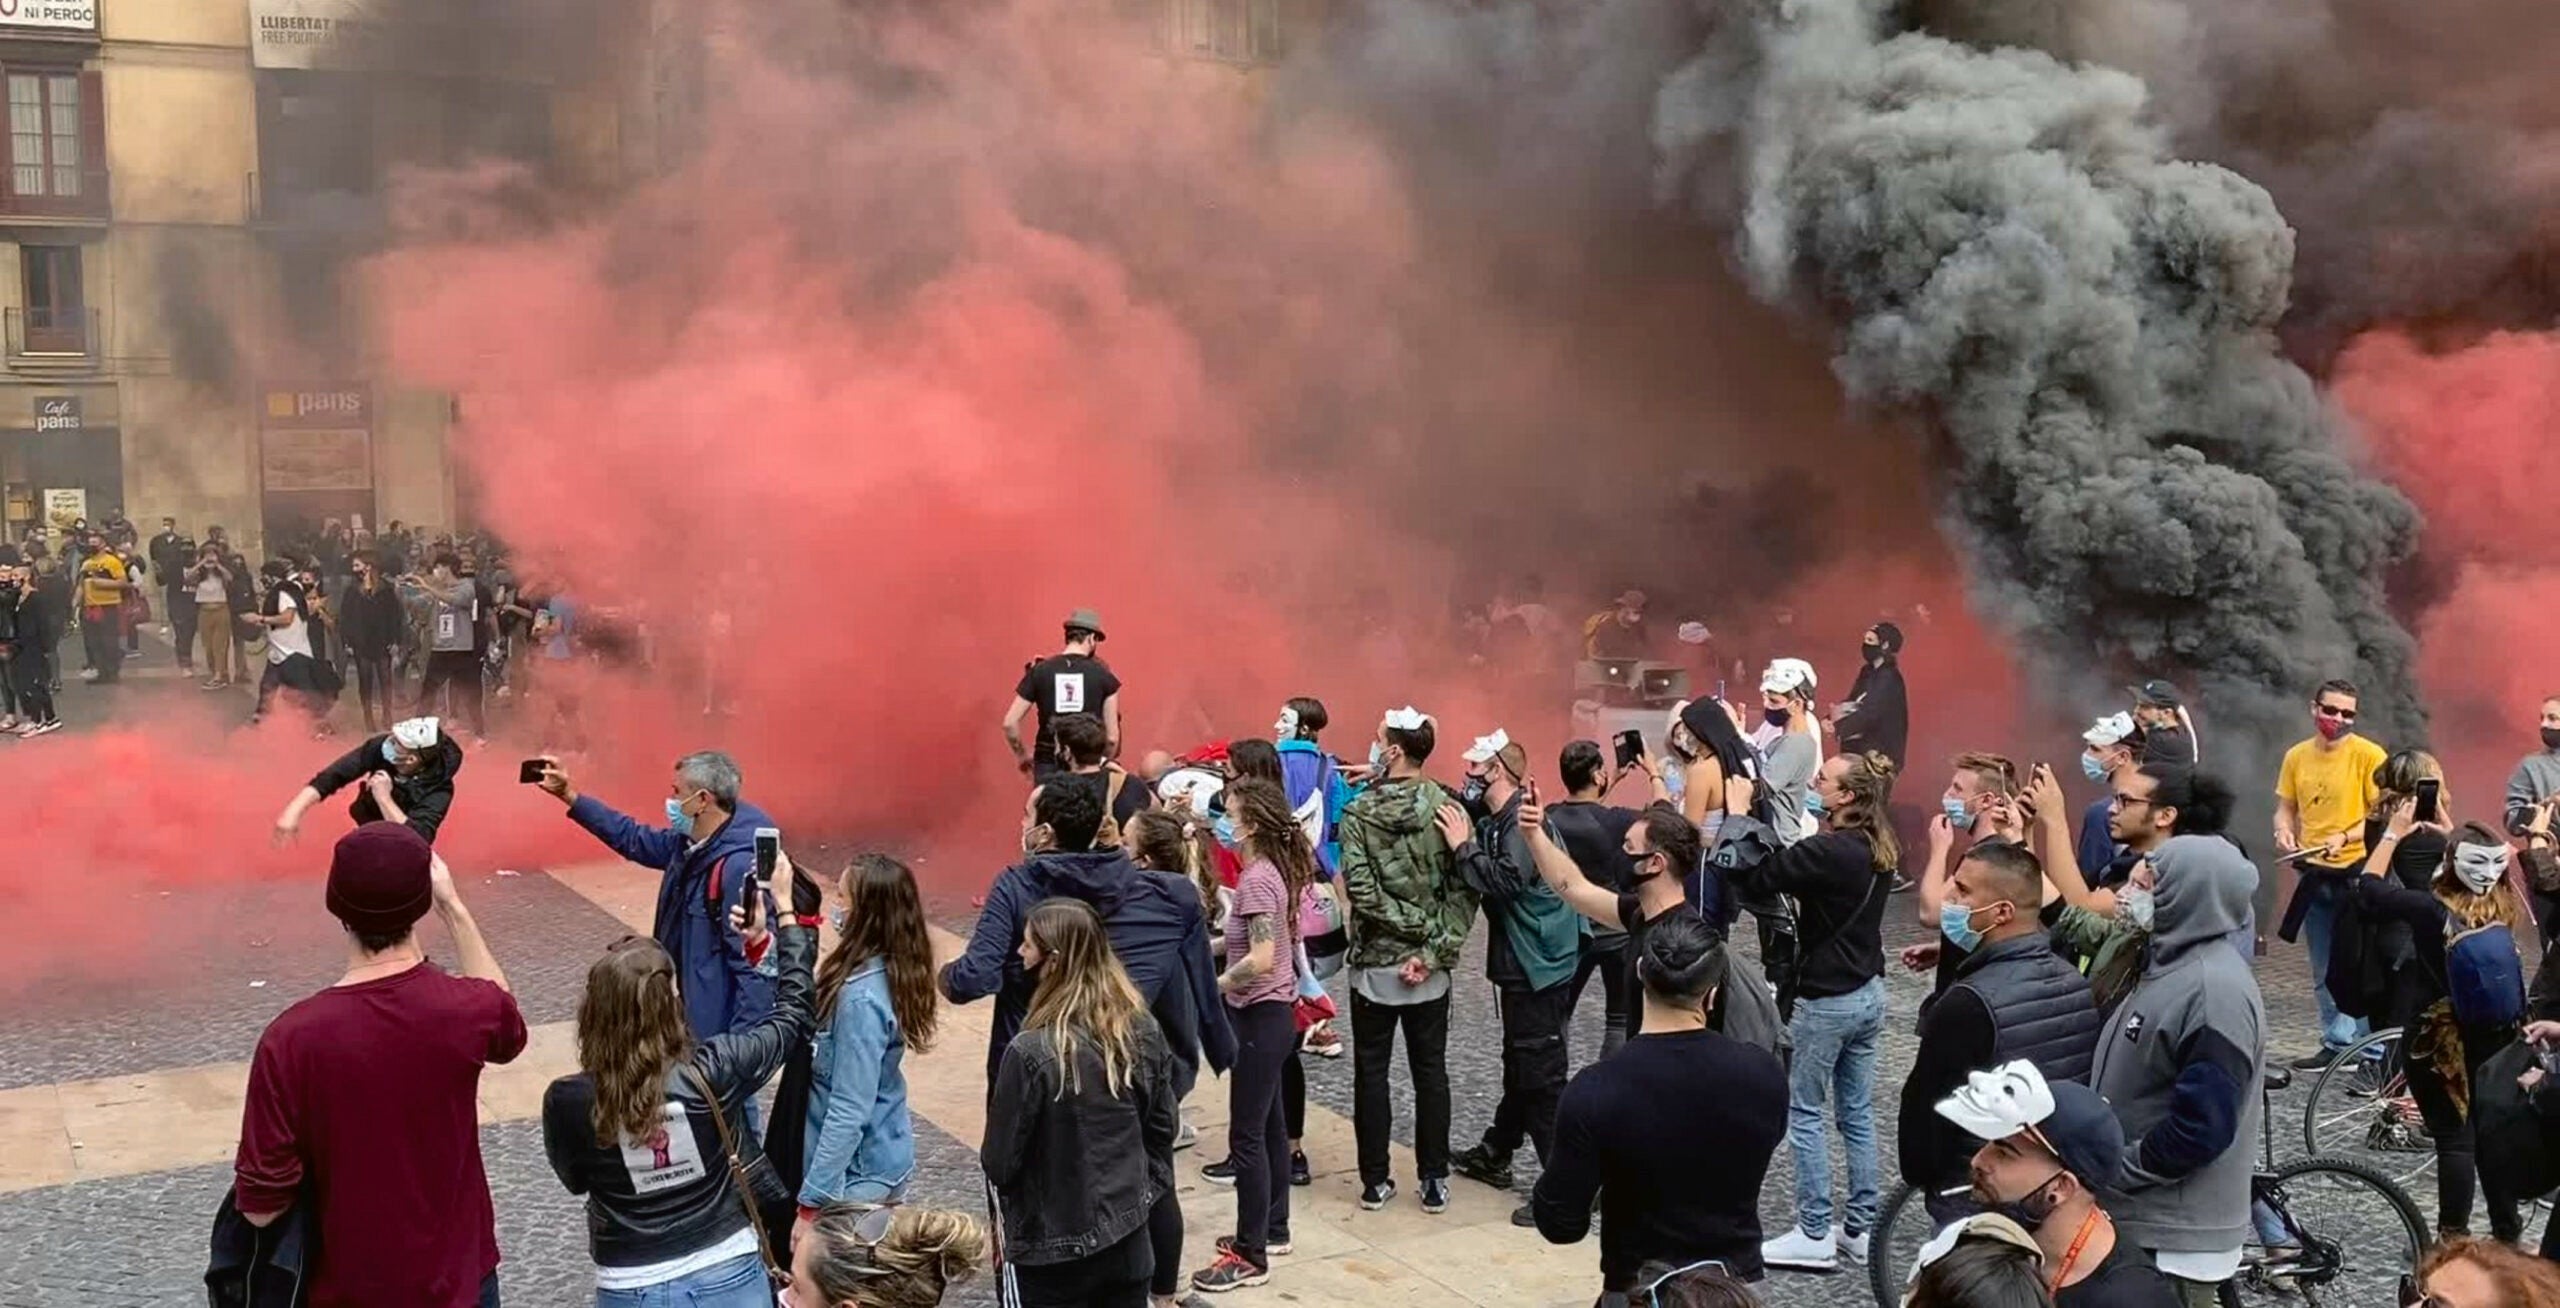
x=450 y=623
x=1747 y=1007
x=2483 y=975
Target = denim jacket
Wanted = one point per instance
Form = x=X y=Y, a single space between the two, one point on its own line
x=861 y=1143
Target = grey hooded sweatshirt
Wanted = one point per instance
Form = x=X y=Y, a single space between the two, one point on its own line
x=2182 y=1059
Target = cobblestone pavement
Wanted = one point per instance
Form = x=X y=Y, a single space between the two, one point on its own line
x=139 y=1240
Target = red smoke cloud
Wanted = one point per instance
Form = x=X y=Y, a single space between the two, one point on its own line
x=2472 y=433
x=960 y=320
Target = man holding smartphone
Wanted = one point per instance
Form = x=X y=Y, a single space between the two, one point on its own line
x=706 y=857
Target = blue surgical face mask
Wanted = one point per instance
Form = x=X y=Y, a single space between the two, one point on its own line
x=1225 y=830
x=1377 y=755
x=835 y=918
x=2091 y=768
x=679 y=821
x=1956 y=816
x=390 y=753
x=1955 y=922
x=1813 y=804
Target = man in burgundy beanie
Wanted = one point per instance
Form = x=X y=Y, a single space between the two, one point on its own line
x=362 y=1115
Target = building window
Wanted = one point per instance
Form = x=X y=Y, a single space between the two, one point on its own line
x=57 y=310
x=1238 y=31
x=44 y=134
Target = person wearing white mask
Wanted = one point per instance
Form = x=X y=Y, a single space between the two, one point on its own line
x=2464 y=1000
x=1789 y=739
x=2110 y=752
x=403 y=775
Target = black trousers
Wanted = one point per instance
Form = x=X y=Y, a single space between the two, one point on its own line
x=1164 y=1240
x=2449 y=1127
x=1116 y=1277
x=1426 y=1054
x=460 y=670
x=102 y=640
x=1293 y=1093
x=30 y=676
x=1533 y=1068
x=1610 y=961
x=1257 y=1127
x=180 y=604
x=373 y=687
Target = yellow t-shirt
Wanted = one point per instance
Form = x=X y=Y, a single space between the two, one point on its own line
x=2332 y=790
x=102 y=581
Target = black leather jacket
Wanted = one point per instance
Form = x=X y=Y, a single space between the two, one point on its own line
x=662 y=1198
x=1077 y=1172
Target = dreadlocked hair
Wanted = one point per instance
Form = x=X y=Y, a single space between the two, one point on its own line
x=1263 y=809
x=1869 y=781
x=1083 y=994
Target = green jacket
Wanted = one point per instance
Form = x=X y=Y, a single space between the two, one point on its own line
x=1401 y=877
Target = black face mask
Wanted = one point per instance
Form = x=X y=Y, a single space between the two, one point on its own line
x=1647 y=868
x=1471 y=793
x=2030 y=1209
x=1872 y=651
x=2551 y=737
x=1776 y=717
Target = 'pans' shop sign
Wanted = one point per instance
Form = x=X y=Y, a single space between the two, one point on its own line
x=50 y=15
x=57 y=413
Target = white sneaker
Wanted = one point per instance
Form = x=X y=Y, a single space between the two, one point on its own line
x=1798 y=1252
x=1854 y=1247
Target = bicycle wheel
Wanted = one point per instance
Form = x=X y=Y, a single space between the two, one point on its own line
x=2360 y=1110
x=1902 y=1226
x=2328 y=1231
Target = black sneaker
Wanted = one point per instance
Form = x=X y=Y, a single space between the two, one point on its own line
x=1375 y=1197
x=1299 y=1173
x=1435 y=1194
x=2315 y=1061
x=1221 y=1172
x=1524 y=1216
x=1477 y=1163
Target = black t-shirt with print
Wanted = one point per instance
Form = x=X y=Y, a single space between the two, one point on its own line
x=1061 y=684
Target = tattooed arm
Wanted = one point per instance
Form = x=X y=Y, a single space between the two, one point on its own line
x=1262 y=937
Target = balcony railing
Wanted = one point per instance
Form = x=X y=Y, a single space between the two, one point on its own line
x=90 y=201
x=55 y=340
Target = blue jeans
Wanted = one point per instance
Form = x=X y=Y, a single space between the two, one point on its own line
x=2319 y=929
x=737 y=1283
x=1835 y=1060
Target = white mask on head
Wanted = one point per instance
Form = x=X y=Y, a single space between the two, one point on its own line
x=2480 y=867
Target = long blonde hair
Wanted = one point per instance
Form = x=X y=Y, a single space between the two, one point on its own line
x=1083 y=994
x=631 y=1033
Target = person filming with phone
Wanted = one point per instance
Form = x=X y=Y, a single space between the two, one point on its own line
x=706 y=860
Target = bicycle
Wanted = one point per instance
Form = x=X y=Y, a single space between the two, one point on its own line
x=2322 y=1230
x=2360 y=1108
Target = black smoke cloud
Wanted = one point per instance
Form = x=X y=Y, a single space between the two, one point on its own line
x=2010 y=251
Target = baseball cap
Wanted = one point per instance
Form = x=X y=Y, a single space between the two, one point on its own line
x=2156 y=694
x=379 y=878
x=2111 y=729
x=1087 y=620
x=2066 y=1118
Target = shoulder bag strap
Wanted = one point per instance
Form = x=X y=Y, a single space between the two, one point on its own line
x=737 y=1172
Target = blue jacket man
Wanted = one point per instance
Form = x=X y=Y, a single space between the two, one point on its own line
x=706 y=855
x=1153 y=918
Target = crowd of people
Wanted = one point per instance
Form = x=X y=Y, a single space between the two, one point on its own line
x=2080 y=1116
x=407 y=620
